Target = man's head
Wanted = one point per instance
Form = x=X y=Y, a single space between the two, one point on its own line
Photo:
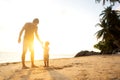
x=36 y=21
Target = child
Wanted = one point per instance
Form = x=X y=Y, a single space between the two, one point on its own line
x=46 y=54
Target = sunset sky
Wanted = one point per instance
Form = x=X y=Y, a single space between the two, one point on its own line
x=69 y=25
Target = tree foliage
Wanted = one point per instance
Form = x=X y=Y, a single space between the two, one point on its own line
x=110 y=28
x=110 y=1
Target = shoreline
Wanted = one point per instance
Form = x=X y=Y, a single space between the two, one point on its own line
x=8 y=57
x=28 y=61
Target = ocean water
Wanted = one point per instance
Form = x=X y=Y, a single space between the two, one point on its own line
x=7 y=57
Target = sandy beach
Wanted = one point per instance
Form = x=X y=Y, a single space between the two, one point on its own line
x=97 y=67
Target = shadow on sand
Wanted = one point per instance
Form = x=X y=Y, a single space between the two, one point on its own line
x=55 y=75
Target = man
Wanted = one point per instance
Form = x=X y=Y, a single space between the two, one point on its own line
x=29 y=30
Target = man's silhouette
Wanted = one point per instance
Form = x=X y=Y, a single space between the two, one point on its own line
x=29 y=30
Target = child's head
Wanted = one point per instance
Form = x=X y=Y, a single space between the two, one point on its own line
x=47 y=43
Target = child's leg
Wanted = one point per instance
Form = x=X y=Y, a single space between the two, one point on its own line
x=48 y=63
x=45 y=63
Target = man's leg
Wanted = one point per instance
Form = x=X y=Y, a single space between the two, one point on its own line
x=24 y=53
x=23 y=58
x=32 y=55
x=32 y=58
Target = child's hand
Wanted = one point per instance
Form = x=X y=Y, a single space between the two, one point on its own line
x=19 y=40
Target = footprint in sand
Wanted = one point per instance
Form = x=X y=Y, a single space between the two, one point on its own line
x=24 y=77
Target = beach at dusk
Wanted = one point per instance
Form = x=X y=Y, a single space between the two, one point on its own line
x=60 y=40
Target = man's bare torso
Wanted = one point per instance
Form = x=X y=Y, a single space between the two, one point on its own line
x=30 y=29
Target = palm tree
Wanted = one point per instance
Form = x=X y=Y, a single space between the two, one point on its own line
x=106 y=24
x=111 y=1
x=110 y=24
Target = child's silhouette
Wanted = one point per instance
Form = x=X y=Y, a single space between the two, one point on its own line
x=46 y=53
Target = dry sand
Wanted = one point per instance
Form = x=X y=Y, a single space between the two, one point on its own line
x=102 y=67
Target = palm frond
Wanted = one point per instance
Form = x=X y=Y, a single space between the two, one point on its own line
x=99 y=33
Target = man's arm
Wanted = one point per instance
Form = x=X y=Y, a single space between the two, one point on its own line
x=36 y=34
x=19 y=39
